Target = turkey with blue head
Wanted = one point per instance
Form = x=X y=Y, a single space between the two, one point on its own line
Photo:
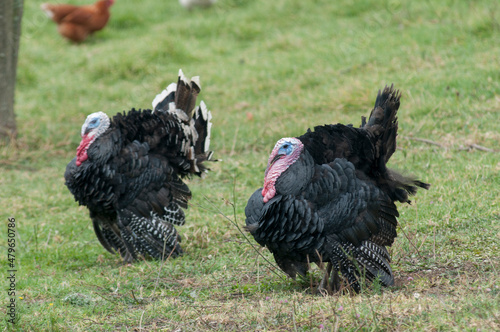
x=328 y=197
x=128 y=171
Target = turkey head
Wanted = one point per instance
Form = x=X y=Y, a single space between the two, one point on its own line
x=95 y=124
x=288 y=170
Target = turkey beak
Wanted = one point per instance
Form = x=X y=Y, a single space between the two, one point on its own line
x=275 y=159
x=87 y=131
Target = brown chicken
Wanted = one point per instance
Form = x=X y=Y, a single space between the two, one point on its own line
x=76 y=23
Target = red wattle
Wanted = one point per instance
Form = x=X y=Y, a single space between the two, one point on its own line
x=81 y=151
x=268 y=191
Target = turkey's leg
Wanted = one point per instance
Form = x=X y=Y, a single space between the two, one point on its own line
x=324 y=287
x=335 y=281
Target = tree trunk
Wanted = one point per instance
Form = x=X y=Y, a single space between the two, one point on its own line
x=11 y=12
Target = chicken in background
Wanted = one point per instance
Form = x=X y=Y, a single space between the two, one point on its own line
x=190 y=4
x=76 y=23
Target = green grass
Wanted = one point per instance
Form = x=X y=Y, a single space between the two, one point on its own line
x=269 y=69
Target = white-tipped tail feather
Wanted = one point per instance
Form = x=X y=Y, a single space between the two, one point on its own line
x=207 y=116
x=183 y=77
x=162 y=95
x=179 y=100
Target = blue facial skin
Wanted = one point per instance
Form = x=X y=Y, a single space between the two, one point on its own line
x=94 y=123
x=286 y=148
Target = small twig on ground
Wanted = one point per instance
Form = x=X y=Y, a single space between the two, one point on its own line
x=479 y=147
x=35 y=232
x=293 y=316
x=183 y=313
x=205 y=306
x=461 y=148
x=140 y=321
x=234 y=141
x=410 y=241
x=135 y=299
x=374 y=315
x=423 y=241
x=112 y=301
x=492 y=265
x=424 y=140
x=163 y=261
x=310 y=274
x=48 y=238
x=360 y=327
x=202 y=319
x=434 y=243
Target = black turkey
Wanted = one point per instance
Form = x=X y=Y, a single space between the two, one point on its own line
x=128 y=171
x=329 y=197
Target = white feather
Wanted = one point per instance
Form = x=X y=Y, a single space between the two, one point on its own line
x=196 y=80
x=172 y=87
x=183 y=77
x=190 y=4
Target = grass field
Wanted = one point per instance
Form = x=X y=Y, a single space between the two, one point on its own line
x=269 y=69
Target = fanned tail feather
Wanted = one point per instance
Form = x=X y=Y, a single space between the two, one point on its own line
x=383 y=122
x=187 y=92
x=180 y=99
x=383 y=126
x=203 y=125
x=181 y=96
x=164 y=98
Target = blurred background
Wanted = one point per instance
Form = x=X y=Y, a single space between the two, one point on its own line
x=269 y=69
